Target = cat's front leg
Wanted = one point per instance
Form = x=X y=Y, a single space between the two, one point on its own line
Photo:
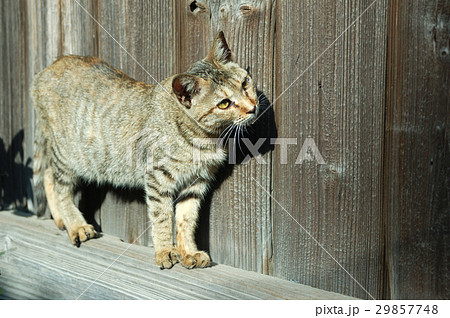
x=187 y=212
x=160 y=212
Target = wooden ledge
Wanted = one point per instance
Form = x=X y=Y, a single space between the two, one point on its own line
x=37 y=261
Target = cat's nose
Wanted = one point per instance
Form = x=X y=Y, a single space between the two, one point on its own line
x=252 y=110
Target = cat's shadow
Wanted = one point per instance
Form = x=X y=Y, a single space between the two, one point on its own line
x=90 y=198
x=263 y=130
x=16 y=173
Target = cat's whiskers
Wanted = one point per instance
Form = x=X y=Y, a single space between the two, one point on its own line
x=241 y=135
x=228 y=134
x=223 y=132
x=239 y=132
x=262 y=97
x=246 y=129
x=237 y=138
x=222 y=137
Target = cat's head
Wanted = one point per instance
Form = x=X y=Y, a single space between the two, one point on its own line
x=216 y=91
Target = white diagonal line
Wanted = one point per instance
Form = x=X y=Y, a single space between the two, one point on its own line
x=314 y=239
x=317 y=58
x=165 y=211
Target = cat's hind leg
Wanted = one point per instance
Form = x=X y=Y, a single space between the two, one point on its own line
x=49 y=186
x=64 y=209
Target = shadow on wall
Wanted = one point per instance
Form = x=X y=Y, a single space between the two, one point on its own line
x=15 y=174
x=90 y=197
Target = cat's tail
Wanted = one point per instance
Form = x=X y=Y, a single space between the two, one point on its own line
x=40 y=164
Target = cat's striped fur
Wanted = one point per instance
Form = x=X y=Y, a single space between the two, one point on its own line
x=97 y=124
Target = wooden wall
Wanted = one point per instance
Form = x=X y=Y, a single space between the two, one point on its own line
x=367 y=81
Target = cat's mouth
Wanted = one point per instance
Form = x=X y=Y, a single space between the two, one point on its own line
x=251 y=118
x=246 y=121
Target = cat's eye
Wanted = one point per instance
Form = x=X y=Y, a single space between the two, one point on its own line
x=246 y=83
x=224 y=104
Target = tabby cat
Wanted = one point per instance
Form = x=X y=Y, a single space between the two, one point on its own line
x=99 y=125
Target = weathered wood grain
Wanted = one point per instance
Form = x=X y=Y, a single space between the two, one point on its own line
x=5 y=111
x=143 y=29
x=194 y=33
x=49 y=31
x=417 y=170
x=37 y=261
x=337 y=99
x=78 y=29
x=12 y=90
x=33 y=63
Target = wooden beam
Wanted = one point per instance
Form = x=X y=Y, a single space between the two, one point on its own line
x=37 y=261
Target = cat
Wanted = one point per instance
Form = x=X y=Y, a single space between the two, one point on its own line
x=95 y=123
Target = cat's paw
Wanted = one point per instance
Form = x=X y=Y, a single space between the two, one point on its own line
x=197 y=259
x=166 y=258
x=81 y=233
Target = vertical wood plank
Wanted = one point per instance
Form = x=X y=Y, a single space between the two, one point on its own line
x=78 y=29
x=240 y=214
x=235 y=224
x=338 y=102
x=13 y=167
x=146 y=31
x=417 y=171
x=193 y=27
x=5 y=129
x=34 y=57
x=43 y=47
x=48 y=34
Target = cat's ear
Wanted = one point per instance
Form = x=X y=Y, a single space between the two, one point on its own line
x=185 y=87
x=220 y=51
